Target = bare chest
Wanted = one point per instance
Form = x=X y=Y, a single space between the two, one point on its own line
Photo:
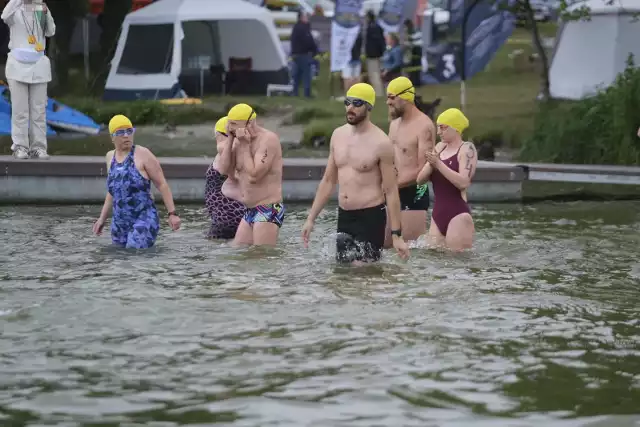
x=405 y=139
x=405 y=144
x=356 y=156
x=242 y=152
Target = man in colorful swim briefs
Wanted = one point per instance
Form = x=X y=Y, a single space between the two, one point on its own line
x=257 y=160
x=413 y=135
x=361 y=162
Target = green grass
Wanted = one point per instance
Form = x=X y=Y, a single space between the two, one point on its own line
x=500 y=104
x=501 y=100
x=161 y=147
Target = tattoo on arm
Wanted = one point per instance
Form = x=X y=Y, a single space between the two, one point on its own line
x=471 y=152
x=264 y=156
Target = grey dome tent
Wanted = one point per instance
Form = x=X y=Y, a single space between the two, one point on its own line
x=176 y=47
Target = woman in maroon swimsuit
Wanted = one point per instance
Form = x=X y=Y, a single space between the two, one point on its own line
x=450 y=168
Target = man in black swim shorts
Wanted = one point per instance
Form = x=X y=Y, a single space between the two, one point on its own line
x=413 y=135
x=361 y=162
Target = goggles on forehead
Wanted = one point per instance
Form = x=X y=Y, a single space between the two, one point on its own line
x=407 y=90
x=233 y=132
x=356 y=102
x=124 y=132
x=249 y=119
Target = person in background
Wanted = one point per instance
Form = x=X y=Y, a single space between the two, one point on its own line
x=374 y=47
x=222 y=192
x=392 y=61
x=28 y=71
x=412 y=50
x=303 y=49
x=135 y=223
x=638 y=132
x=351 y=73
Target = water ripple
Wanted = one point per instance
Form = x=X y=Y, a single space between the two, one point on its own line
x=538 y=326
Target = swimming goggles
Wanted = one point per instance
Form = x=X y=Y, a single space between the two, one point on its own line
x=394 y=96
x=355 y=102
x=124 y=132
x=233 y=132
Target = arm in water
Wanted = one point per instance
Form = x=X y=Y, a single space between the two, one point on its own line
x=108 y=202
x=259 y=165
x=390 y=187
x=323 y=193
x=468 y=164
x=154 y=170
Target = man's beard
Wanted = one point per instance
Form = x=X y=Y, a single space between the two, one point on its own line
x=356 y=119
x=395 y=112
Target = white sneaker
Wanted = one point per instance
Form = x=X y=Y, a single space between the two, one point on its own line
x=21 y=153
x=39 y=153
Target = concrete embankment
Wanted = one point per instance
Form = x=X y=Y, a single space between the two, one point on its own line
x=78 y=179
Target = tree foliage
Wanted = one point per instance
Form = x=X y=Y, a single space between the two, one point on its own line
x=596 y=130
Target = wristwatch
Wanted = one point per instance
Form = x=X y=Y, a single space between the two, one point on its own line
x=173 y=213
x=397 y=232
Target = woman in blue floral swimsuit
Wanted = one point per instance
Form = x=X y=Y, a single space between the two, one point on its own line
x=135 y=222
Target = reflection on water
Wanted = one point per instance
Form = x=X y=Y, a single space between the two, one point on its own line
x=539 y=326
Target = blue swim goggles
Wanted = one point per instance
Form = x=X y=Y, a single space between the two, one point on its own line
x=124 y=132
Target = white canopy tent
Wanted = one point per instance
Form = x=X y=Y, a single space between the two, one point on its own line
x=589 y=54
x=196 y=45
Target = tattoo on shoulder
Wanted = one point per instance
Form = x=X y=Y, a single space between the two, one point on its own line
x=471 y=152
x=264 y=156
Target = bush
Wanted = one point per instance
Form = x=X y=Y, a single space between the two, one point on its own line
x=318 y=133
x=597 y=130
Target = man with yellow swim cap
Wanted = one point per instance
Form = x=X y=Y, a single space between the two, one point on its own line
x=361 y=163
x=131 y=170
x=450 y=168
x=413 y=135
x=255 y=158
x=222 y=192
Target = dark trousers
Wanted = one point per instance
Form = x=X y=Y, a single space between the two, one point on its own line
x=302 y=74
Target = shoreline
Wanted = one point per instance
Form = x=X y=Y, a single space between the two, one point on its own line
x=81 y=180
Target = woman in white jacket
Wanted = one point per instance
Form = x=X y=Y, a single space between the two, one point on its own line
x=28 y=72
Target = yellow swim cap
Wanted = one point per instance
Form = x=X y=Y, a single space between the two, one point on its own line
x=454 y=118
x=221 y=125
x=364 y=92
x=402 y=88
x=119 y=122
x=241 y=112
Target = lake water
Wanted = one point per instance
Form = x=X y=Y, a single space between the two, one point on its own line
x=539 y=326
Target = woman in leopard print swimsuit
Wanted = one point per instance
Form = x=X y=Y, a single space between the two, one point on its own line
x=224 y=211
